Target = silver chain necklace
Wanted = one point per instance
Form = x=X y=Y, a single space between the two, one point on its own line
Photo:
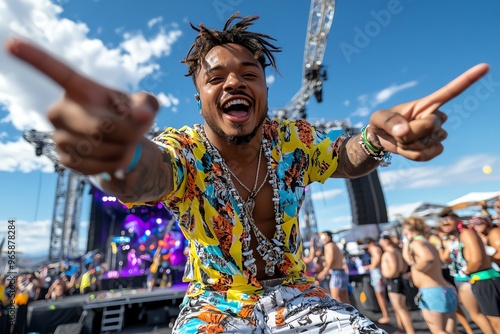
x=250 y=202
x=272 y=251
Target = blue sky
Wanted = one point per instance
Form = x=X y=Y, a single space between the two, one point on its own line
x=379 y=53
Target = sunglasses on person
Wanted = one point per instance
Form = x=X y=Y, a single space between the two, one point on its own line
x=478 y=222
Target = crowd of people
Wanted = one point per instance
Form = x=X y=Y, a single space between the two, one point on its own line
x=49 y=282
x=454 y=265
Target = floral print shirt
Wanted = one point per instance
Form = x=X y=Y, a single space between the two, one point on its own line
x=209 y=216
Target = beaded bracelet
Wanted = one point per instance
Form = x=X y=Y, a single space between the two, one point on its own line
x=380 y=155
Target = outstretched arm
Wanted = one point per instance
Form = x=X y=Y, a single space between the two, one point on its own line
x=412 y=129
x=101 y=130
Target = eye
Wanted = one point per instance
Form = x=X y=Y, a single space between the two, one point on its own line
x=250 y=75
x=214 y=80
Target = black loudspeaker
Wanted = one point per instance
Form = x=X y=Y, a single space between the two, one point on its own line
x=364 y=296
x=158 y=316
x=367 y=200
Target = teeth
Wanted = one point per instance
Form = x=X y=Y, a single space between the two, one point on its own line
x=237 y=101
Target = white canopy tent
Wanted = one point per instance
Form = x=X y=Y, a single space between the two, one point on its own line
x=473 y=199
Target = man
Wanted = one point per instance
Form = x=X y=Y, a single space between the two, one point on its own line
x=335 y=268
x=438 y=299
x=393 y=267
x=235 y=183
x=376 y=279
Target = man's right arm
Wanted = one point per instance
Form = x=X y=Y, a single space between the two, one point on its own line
x=100 y=130
x=150 y=180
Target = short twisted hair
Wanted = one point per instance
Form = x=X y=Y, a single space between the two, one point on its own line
x=235 y=33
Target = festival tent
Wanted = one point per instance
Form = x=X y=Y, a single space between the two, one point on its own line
x=473 y=199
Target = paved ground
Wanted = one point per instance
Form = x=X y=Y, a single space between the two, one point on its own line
x=418 y=323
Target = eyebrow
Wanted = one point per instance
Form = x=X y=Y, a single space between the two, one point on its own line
x=219 y=67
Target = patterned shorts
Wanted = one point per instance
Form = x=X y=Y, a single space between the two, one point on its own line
x=339 y=280
x=280 y=309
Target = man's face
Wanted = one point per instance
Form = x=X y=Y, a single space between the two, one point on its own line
x=233 y=93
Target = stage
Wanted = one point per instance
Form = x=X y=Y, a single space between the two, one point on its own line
x=110 y=310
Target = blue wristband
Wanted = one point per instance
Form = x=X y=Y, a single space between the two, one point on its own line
x=135 y=160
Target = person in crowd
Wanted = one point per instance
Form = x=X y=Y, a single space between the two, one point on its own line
x=483 y=209
x=335 y=267
x=496 y=207
x=61 y=286
x=466 y=255
x=490 y=236
x=392 y=267
x=377 y=280
x=435 y=238
x=34 y=287
x=237 y=181
x=315 y=262
x=91 y=280
x=438 y=299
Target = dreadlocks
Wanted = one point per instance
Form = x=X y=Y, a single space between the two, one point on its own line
x=237 y=33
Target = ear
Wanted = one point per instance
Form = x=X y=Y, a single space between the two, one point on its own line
x=198 y=100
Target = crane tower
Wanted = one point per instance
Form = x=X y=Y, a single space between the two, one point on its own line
x=313 y=74
x=69 y=190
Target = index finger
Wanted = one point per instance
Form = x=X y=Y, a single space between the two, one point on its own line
x=432 y=102
x=56 y=70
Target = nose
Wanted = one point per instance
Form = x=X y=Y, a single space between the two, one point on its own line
x=234 y=83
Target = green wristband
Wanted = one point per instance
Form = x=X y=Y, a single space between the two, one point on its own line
x=367 y=143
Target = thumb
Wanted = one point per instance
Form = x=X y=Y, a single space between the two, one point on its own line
x=144 y=109
x=389 y=122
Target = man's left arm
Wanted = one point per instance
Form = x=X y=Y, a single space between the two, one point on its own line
x=412 y=129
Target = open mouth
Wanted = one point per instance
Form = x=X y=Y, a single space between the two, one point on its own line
x=236 y=108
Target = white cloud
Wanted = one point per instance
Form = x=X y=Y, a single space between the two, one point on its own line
x=25 y=94
x=466 y=170
x=388 y=92
x=155 y=21
x=270 y=79
x=368 y=102
x=3 y=134
x=20 y=156
x=347 y=103
x=141 y=50
x=327 y=194
x=32 y=238
x=167 y=100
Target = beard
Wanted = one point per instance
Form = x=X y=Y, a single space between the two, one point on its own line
x=234 y=139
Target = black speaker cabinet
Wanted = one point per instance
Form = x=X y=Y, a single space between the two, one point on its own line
x=367 y=200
